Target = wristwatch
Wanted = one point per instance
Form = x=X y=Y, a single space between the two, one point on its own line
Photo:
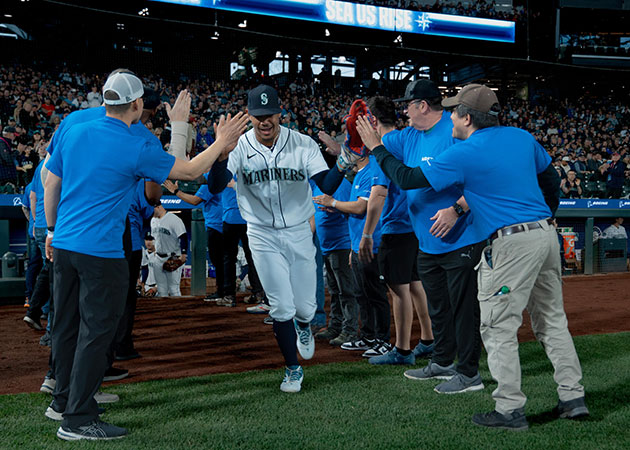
x=458 y=209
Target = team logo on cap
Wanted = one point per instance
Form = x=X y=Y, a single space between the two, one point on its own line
x=263 y=98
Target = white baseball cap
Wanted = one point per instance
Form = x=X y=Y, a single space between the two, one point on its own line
x=126 y=86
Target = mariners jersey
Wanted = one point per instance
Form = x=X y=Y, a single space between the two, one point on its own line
x=273 y=188
x=166 y=231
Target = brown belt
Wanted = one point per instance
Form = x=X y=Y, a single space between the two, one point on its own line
x=518 y=228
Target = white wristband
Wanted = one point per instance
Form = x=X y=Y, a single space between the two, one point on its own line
x=367 y=236
x=334 y=203
x=50 y=234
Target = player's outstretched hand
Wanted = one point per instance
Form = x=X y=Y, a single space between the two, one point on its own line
x=230 y=129
x=444 y=221
x=333 y=147
x=172 y=187
x=181 y=109
x=370 y=137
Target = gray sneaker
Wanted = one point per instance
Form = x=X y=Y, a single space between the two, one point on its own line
x=228 y=300
x=93 y=431
x=459 y=384
x=431 y=371
x=327 y=335
x=572 y=409
x=341 y=339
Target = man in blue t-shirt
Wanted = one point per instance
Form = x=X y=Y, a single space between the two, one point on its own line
x=521 y=267
x=372 y=294
x=212 y=215
x=334 y=239
x=446 y=264
x=93 y=172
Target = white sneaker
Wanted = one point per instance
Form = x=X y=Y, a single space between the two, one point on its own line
x=53 y=415
x=292 y=381
x=305 y=341
x=260 y=308
x=48 y=386
x=102 y=397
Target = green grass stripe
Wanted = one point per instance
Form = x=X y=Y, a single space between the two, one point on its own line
x=346 y=406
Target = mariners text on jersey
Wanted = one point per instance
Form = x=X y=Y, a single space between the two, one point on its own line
x=273 y=174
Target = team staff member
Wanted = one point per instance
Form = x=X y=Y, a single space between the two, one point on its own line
x=273 y=166
x=86 y=219
x=397 y=254
x=212 y=212
x=522 y=266
x=446 y=264
x=171 y=241
x=372 y=294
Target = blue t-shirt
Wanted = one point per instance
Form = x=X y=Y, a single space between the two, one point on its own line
x=212 y=208
x=26 y=202
x=38 y=188
x=361 y=188
x=231 y=214
x=497 y=169
x=100 y=163
x=332 y=228
x=139 y=210
x=395 y=216
x=414 y=147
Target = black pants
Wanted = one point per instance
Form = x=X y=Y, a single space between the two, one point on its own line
x=124 y=339
x=450 y=282
x=41 y=291
x=232 y=234
x=372 y=298
x=216 y=253
x=89 y=295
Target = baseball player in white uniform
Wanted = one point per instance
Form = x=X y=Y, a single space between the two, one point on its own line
x=170 y=240
x=273 y=165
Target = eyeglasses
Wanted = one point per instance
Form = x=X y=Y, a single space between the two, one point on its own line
x=413 y=102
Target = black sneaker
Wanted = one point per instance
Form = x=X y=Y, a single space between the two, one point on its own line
x=33 y=322
x=572 y=409
x=127 y=355
x=113 y=374
x=514 y=421
x=93 y=431
x=213 y=297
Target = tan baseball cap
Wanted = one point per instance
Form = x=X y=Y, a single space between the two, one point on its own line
x=475 y=96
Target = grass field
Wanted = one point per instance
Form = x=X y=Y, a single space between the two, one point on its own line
x=346 y=406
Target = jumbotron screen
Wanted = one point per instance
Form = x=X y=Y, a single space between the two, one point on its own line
x=368 y=16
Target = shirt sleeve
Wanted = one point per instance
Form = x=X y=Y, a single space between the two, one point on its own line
x=313 y=159
x=154 y=163
x=203 y=193
x=445 y=170
x=378 y=177
x=54 y=164
x=541 y=157
x=178 y=226
x=394 y=143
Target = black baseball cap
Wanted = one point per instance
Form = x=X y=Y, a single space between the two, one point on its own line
x=420 y=90
x=150 y=98
x=263 y=101
x=9 y=129
x=148 y=236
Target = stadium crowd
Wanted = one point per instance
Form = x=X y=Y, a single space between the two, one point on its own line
x=579 y=135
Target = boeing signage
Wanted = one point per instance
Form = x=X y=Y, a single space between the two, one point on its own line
x=369 y=16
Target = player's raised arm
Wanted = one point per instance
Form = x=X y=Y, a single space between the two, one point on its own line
x=228 y=131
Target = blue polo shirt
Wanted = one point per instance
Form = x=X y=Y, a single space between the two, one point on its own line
x=413 y=147
x=231 y=214
x=332 y=228
x=212 y=208
x=361 y=187
x=139 y=210
x=100 y=163
x=481 y=164
x=38 y=188
x=395 y=216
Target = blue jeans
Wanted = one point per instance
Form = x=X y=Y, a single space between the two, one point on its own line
x=320 y=313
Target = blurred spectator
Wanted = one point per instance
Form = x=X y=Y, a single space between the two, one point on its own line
x=8 y=173
x=570 y=186
x=616 y=176
x=616 y=230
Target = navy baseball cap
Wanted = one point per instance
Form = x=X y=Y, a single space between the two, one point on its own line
x=263 y=101
x=420 y=90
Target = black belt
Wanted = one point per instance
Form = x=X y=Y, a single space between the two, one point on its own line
x=518 y=228
x=162 y=255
